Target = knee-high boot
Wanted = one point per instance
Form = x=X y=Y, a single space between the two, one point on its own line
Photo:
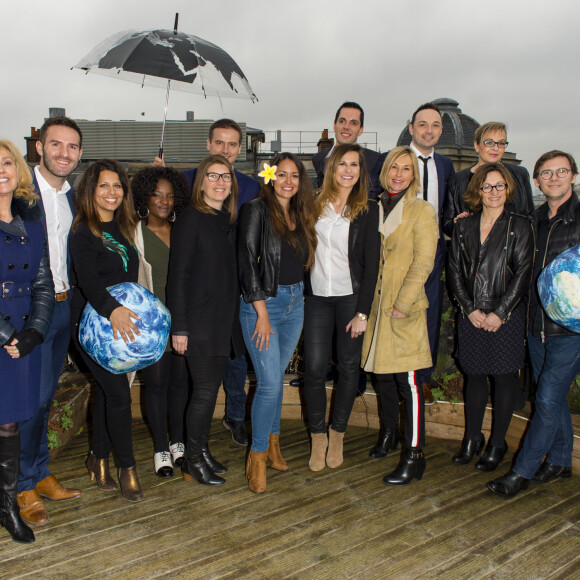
x=9 y=511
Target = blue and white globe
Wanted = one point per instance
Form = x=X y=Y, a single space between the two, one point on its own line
x=116 y=356
x=559 y=289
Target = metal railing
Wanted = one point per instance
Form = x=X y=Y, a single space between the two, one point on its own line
x=305 y=141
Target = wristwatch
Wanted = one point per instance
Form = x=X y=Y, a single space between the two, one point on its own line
x=361 y=316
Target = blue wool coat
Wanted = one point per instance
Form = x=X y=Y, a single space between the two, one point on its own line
x=26 y=301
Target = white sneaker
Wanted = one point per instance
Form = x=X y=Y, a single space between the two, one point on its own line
x=177 y=451
x=162 y=461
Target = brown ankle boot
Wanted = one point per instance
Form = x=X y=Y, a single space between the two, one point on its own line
x=256 y=471
x=318 y=453
x=275 y=456
x=334 y=455
x=130 y=486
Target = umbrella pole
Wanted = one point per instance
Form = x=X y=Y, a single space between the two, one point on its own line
x=164 y=120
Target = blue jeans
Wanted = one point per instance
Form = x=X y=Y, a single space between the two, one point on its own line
x=286 y=312
x=34 y=455
x=235 y=387
x=555 y=364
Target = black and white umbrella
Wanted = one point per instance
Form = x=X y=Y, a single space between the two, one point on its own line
x=168 y=58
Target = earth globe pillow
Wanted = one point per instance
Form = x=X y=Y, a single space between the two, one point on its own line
x=559 y=289
x=117 y=356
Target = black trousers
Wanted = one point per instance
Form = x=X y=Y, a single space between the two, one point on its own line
x=112 y=420
x=322 y=317
x=166 y=393
x=389 y=387
x=207 y=373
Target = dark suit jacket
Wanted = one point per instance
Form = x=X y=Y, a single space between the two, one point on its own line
x=70 y=195
x=248 y=187
x=373 y=160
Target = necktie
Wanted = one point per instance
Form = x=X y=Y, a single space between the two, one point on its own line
x=425 y=175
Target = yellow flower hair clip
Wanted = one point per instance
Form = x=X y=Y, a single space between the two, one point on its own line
x=268 y=173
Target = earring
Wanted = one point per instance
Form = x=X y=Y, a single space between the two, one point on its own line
x=171 y=216
x=143 y=217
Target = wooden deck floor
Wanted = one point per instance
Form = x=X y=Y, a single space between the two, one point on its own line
x=341 y=523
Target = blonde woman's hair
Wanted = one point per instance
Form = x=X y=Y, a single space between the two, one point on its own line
x=393 y=156
x=24 y=186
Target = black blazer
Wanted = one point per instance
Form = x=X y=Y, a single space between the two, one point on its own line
x=374 y=162
x=202 y=285
x=364 y=248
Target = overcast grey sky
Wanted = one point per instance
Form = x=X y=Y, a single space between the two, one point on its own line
x=511 y=60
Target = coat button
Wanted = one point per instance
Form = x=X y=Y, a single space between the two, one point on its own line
x=7 y=317
x=25 y=317
x=25 y=266
x=11 y=266
x=7 y=239
x=22 y=239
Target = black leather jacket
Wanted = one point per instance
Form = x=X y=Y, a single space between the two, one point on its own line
x=495 y=276
x=523 y=202
x=564 y=233
x=42 y=286
x=259 y=250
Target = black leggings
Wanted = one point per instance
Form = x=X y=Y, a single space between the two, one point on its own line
x=207 y=374
x=166 y=393
x=505 y=394
x=323 y=316
x=112 y=420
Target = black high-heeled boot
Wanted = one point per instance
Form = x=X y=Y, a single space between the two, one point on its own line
x=469 y=448
x=412 y=465
x=388 y=439
x=214 y=465
x=491 y=457
x=9 y=511
x=196 y=468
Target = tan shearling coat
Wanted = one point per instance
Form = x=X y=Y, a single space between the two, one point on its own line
x=409 y=241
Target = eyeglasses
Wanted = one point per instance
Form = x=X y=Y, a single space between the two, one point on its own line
x=487 y=188
x=547 y=173
x=213 y=177
x=490 y=143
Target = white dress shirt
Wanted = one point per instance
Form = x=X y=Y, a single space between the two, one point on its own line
x=331 y=273
x=433 y=185
x=58 y=222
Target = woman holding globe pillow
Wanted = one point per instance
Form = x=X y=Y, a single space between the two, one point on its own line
x=489 y=272
x=202 y=296
x=159 y=195
x=103 y=254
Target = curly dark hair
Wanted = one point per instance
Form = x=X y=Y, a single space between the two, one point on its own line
x=145 y=181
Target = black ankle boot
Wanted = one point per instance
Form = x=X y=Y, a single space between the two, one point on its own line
x=491 y=457
x=412 y=465
x=9 y=511
x=387 y=440
x=196 y=468
x=469 y=448
x=214 y=465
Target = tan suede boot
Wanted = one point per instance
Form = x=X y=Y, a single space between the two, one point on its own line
x=275 y=456
x=334 y=455
x=256 y=471
x=318 y=453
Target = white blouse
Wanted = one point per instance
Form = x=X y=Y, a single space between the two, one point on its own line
x=331 y=273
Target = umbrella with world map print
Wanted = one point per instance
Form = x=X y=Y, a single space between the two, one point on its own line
x=169 y=59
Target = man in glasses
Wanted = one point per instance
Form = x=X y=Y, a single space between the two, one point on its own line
x=225 y=139
x=554 y=350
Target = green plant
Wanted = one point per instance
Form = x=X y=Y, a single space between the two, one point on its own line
x=447 y=377
x=53 y=439
x=437 y=393
x=66 y=421
x=446 y=316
